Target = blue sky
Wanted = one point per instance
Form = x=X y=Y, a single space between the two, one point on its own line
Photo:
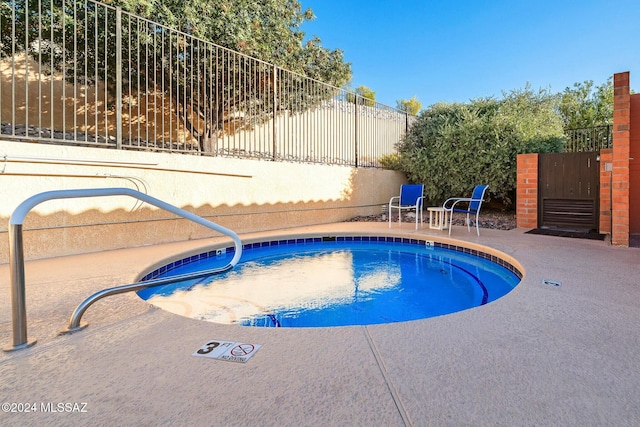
x=454 y=51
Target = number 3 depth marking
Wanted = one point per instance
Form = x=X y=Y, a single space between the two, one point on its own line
x=208 y=347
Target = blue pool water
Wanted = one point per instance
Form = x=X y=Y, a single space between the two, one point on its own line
x=347 y=281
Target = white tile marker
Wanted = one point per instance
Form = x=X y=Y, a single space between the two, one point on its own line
x=227 y=350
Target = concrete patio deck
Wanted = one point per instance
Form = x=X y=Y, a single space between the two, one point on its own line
x=542 y=355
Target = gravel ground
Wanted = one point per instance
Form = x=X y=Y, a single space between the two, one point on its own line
x=489 y=218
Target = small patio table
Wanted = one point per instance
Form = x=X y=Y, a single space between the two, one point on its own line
x=438 y=217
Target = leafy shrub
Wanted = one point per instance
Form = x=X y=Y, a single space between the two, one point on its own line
x=391 y=161
x=453 y=147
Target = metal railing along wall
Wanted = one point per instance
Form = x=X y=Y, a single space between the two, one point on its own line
x=86 y=73
x=588 y=139
x=16 y=256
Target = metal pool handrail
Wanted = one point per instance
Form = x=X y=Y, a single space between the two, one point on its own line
x=16 y=255
x=74 y=321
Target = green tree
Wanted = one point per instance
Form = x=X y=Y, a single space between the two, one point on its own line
x=411 y=106
x=362 y=94
x=267 y=30
x=176 y=49
x=585 y=105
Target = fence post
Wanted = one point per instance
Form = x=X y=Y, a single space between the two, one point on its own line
x=118 y=78
x=355 y=109
x=274 y=126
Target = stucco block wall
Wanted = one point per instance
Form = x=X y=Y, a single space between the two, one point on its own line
x=243 y=195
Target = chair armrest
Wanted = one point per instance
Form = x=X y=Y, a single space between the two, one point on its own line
x=455 y=201
x=391 y=200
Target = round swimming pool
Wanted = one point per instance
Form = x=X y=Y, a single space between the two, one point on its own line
x=334 y=281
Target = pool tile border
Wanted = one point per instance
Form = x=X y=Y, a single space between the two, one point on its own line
x=389 y=239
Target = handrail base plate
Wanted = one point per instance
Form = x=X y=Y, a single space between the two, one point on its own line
x=69 y=331
x=19 y=346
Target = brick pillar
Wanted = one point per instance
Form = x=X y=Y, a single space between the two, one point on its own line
x=606 y=159
x=634 y=165
x=527 y=191
x=620 y=173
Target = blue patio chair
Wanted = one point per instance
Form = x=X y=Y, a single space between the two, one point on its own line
x=472 y=204
x=410 y=198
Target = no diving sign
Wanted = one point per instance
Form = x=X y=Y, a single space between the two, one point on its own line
x=228 y=350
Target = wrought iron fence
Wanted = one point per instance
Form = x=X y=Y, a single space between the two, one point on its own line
x=588 y=139
x=86 y=73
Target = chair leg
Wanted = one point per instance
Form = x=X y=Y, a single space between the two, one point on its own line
x=389 y=215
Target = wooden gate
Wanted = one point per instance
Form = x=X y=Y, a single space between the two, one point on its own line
x=569 y=189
